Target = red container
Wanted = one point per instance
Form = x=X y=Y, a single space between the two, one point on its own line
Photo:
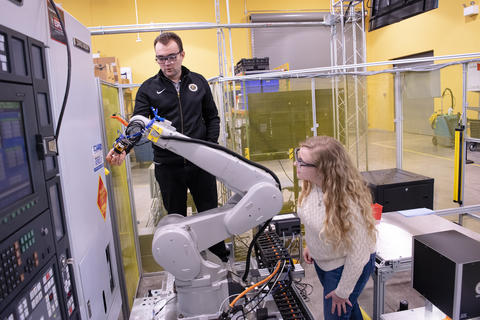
x=377 y=211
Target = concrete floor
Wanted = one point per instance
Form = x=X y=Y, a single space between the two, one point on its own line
x=419 y=156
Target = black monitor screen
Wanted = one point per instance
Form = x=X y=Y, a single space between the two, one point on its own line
x=15 y=180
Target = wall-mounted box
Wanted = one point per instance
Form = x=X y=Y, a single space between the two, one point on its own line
x=473 y=76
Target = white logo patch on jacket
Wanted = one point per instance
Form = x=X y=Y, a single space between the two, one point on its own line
x=193 y=87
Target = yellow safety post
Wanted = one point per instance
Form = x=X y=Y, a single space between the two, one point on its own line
x=458 y=165
x=364 y=314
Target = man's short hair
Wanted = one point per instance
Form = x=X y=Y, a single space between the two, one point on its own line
x=166 y=37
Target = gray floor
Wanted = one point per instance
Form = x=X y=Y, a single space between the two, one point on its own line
x=420 y=156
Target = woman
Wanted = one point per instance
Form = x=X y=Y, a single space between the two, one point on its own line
x=335 y=208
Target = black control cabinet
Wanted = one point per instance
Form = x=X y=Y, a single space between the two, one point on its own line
x=36 y=277
x=397 y=189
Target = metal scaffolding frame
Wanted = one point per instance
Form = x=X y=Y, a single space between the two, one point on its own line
x=349 y=92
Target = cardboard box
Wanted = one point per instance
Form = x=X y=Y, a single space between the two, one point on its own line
x=107 y=69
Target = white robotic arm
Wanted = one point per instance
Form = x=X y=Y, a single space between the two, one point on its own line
x=178 y=240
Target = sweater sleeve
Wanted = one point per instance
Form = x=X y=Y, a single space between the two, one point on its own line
x=357 y=257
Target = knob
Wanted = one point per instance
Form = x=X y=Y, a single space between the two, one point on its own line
x=44 y=231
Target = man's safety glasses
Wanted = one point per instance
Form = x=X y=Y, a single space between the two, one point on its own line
x=169 y=58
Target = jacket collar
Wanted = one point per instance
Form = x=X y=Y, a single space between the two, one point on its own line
x=183 y=76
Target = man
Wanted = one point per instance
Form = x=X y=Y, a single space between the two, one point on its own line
x=184 y=98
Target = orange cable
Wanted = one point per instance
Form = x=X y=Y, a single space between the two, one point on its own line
x=122 y=121
x=256 y=284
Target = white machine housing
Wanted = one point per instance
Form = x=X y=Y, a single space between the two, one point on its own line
x=90 y=234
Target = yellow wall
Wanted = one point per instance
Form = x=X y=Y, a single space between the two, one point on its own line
x=200 y=45
x=444 y=30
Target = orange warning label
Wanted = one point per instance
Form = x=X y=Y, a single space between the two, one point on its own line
x=102 y=198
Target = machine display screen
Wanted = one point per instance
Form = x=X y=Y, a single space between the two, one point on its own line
x=15 y=180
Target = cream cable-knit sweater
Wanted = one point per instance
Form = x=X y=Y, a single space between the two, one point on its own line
x=312 y=214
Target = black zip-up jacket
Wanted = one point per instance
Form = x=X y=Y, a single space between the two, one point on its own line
x=192 y=111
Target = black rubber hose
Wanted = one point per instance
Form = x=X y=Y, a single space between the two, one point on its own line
x=250 y=248
x=69 y=71
x=230 y=152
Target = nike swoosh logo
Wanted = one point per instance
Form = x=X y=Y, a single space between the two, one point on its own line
x=159 y=92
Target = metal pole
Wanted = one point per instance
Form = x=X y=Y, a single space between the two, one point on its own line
x=155 y=27
x=345 y=84
x=333 y=81
x=355 y=81
x=303 y=72
x=399 y=119
x=314 y=108
x=232 y=60
x=219 y=40
x=365 y=102
x=464 y=147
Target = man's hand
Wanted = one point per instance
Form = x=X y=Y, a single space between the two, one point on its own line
x=338 y=303
x=306 y=256
x=114 y=158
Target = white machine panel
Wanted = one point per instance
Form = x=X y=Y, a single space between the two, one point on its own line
x=80 y=134
x=29 y=18
x=79 y=141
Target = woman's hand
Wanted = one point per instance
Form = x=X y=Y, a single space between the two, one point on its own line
x=306 y=256
x=338 y=303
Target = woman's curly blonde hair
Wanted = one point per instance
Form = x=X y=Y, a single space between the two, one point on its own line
x=343 y=188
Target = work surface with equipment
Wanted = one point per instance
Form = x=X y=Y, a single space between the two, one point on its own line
x=394 y=254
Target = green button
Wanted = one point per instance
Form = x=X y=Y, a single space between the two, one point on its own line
x=5 y=220
x=14 y=214
x=21 y=240
x=29 y=243
x=33 y=240
x=23 y=248
x=31 y=233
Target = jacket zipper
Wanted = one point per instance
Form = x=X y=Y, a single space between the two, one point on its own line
x=181 y=111
x=181 y=116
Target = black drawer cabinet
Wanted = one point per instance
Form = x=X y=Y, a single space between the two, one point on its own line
x=397 y=189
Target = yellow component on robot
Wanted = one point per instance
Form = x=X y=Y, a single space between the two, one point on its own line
x=155 y=133
x=107 y=172
x=247 y=153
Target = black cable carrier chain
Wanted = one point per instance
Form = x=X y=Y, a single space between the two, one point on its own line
x=269 y=250
x=288 y=303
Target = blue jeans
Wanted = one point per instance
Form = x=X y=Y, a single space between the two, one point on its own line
x=330 y=280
